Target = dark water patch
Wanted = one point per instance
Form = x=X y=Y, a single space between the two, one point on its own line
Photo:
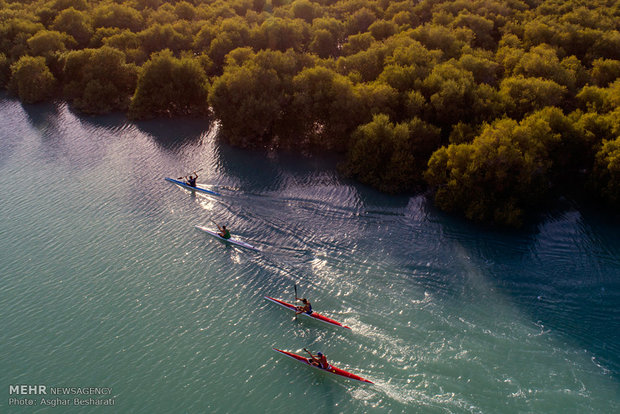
x=174 y=134
x=565 y=281
x=260 y=171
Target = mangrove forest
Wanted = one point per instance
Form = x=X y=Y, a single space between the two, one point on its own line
x=495 y=107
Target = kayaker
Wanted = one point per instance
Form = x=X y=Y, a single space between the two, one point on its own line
x=306 y=307
x=224 y=233
x=191 y=179
x=318 y=360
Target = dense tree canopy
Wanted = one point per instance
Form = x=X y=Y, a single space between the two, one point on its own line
x=98 y=80
x=31 y=79
x=170 y=86
x=489 y=97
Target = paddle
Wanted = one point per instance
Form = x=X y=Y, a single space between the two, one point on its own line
x=295 y=301
x=219 y=228
x=311 y=360
x=216 y=225
x=194 y=173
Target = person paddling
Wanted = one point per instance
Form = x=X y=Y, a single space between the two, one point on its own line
x=224 y=233
x=191 y=179
x=318 y=360
x=306 y=307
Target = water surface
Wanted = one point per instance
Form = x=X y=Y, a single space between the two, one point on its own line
x=106 y=282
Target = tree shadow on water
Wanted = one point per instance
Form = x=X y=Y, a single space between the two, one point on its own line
x=562 y=272
x=42 y=116
x=174 y=134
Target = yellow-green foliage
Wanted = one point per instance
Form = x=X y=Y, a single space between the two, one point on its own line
x=31 y=79
x=98 y=80
x=388 y=156
x=313 y=73
x=170 y=86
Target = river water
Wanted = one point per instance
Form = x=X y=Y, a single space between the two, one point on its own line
x=106 y=283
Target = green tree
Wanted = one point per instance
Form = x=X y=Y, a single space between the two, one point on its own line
x=382 y=29
x=31 y=80
x=524 y=95
x=98 y=80
x=231 y=34
x=260 y=91
x=605 y=71
x=360 y=21
x=542 y=62
x=600 y=99
x=368 y=63
x=328 y=104
x=129 y=43
x=451 y=92
x=357 y=43
x=159 y=37
x=323 y=43
x=117 y=15
x=391 y=156
x=485 y=70
x=482 y=28
x=606 y=173
x=185 y=10
x=49 y=42
x=5 y=70
x=65 y=4
x=304 y=9
x=450 y=42
x=282 y=34
x=510 y=168
x=168 y=86
x=14 y=35
x=75 y=23
x=492 y=179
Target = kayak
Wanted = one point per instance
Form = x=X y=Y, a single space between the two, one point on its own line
x=231 y=241
x=331 y=368
x=189 y=187
x=314 y=315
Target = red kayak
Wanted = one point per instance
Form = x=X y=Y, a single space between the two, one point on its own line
x=331 y=368
x=314 y=315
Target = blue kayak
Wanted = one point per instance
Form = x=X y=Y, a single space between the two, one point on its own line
x=189 y=187
x=231 y=241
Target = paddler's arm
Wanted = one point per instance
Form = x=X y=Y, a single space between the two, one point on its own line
x=311 y=356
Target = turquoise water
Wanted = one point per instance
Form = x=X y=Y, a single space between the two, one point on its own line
x=106 y=283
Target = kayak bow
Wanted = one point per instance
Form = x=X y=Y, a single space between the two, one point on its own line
x=332 y=369
x=189 y=187
x=231 y=241
x=314 y=315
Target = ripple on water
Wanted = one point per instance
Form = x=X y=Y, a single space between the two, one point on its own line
x=104 y=267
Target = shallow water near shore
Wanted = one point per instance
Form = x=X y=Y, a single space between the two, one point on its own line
x=106 y=283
